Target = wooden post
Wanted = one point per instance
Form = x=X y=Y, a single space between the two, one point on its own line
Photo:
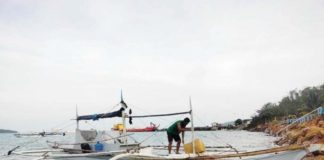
x=76 y=114
x=192 y=128
x=124 y=127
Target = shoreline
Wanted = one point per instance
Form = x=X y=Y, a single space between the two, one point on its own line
x=306 y=133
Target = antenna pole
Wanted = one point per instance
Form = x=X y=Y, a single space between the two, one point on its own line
x=121 y=95
x=192 y=128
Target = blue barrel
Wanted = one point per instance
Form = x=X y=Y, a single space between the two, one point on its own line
x=99 y=147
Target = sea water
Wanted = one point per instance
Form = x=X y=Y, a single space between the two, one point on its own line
x=240 y=140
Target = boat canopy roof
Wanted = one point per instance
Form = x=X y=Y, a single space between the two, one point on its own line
x=119 y=114
x=102 y=115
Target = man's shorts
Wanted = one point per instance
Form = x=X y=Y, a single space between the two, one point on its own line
x=172 y=136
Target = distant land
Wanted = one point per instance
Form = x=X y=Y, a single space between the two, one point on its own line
x=7 y=131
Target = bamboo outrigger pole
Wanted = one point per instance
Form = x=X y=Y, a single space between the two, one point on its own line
x=261 y=152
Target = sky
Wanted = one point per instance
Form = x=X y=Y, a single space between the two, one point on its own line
x=231 y=57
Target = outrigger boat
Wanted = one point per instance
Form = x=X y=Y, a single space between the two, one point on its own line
x=196 y=150
x=294 y=152
x=88 y=143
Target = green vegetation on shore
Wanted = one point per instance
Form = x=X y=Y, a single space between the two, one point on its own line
x=7 y=131
x=296 y=104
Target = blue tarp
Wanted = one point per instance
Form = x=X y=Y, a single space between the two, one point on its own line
x=102 y=115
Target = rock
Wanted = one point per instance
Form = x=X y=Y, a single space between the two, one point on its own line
x=313 y=131
x=294 y=134
x=305 y=133
x=321 y=123
x=300 y=140
x=307 y=143
x=303 y=125
x=315 y=139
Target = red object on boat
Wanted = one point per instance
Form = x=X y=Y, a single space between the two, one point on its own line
x=151 y=128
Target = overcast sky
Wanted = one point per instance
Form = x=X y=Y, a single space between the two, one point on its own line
x=230 y=56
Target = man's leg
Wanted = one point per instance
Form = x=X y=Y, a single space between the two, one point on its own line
x=178 y=140
x=178 y=146
x=169 y=147
x=170 y=143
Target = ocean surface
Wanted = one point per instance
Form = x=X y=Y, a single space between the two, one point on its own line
x=241 y=140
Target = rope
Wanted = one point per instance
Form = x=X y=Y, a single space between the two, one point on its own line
x=63 y=123
x=148 y=137
x=103 y=140
x=24 y=144
x=38 y=138
x=229 y=145
x=30 y=142
x=133 y=139
x=160 y=115
x=146 y=112
x=66 y=126
x=110 y=109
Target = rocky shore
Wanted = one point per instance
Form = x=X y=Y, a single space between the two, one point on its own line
x=310 y=132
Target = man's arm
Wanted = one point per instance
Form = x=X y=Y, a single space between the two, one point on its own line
x=183 y=137
x=182 y=130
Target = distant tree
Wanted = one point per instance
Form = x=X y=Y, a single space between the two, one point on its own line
x=238 y=122
x=296 y=103
x=311 y=97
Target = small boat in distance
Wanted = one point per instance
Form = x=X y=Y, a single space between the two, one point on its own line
x=118 y=127
x=43 y=134
x=151 y=128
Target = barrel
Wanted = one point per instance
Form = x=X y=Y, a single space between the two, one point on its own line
x=199 y=146
x=99 y=147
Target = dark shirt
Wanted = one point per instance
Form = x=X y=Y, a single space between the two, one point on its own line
x=173 y=129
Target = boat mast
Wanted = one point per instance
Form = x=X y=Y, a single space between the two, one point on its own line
x=123 y=117
x=124 y=127
x=192 y=128
x=76 y=113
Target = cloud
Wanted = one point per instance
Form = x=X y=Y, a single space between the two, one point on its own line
x=231 y=57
